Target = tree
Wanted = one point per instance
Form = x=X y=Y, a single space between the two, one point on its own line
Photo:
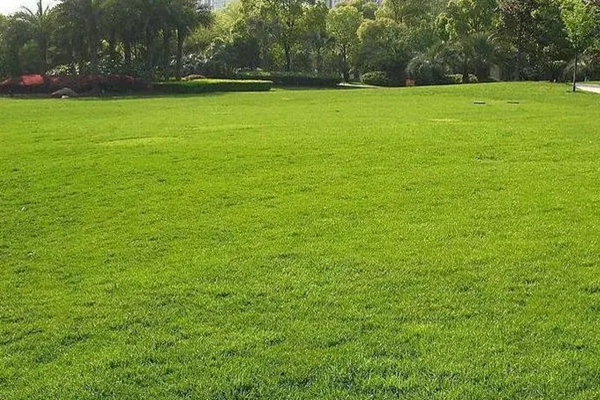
x=286 y=14
x=3 y=66
x=403 y=11
x=342 y=26
x=367 y=8
x=459 y=25
x=123 y=24
x=188 y=15
x=579 y=19
x=384 y=46
x=314 y=35
x=82 y=19
x=14 y=37
x=517 y=25
x=484 y=52
x=154 y=17
x=39 y=28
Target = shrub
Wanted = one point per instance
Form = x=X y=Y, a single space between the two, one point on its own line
x=376 y=78
x=426 y=71
x=454 y=79
x=24 y=84
x=473 y=78
x=193 y=77
x=292 y=79
x=213 y=85
x=458 y=78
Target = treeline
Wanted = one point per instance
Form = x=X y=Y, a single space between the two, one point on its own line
x=143 y=38
x=430 y=41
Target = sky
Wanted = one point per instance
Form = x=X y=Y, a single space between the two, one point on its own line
x=10 y=6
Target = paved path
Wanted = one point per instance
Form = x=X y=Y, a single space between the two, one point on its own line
x=588 y=88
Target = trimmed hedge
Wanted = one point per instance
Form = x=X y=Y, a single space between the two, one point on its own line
x=376 y=78
x=292 y=79
x=212 y=86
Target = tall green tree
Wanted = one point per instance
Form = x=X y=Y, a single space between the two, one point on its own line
x=367 y=8
x=342 y=26
x=39 y=26
x=82 y=19
x=461 y=24
x=124 y=21
x=13 y=38
x=315 y=37
x=517 y=25
x=485 y=52
x=188 y=16
x=409 y=12
x=260 y=26
x=3 y=68
x=580 y=22
x=286 y=15
x=154 y=20
x=384 y=46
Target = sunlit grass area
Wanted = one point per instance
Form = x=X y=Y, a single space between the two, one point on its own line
x=438 y=243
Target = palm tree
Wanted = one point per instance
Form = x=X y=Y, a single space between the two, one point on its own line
x=484 y=53
x=124 y=21
x=188 y=16
x=39 y=25
x=83 y=18
x=153 y=20
x=14 y=37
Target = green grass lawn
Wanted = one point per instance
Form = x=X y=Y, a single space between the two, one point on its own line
x=349 y=244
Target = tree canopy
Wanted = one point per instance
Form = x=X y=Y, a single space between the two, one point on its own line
x=154 y=39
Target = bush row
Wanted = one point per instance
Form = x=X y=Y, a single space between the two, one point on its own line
x=212 y=86
x=292 y=79
x=381 y=78
x=31 y=84
x=376 y=78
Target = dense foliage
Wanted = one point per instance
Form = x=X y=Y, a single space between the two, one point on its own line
x=213 y=85
x=401 y=39
x=144 y=38
x=292 y=79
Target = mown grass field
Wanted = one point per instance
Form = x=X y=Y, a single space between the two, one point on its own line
x=350 y=244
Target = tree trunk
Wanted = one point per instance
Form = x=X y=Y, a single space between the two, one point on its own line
x=112 y=46
x=149 y=52
x=127 y=52
x=166 y=52
x=518 y=65
x=519 y=60
x=180 y=39
x=483 y=73
x=93 y=46
x=288 y=56
x=575 y=73
x=345 y=69
x=44 y=55
x=93 y=55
